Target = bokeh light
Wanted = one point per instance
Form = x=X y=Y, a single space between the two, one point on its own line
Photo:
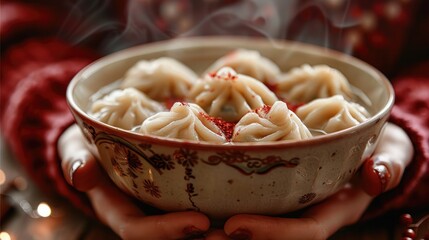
x=5 y=236
x=44 y=210
x=2 y=177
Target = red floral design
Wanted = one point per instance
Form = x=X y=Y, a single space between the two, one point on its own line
x=248 y=164
x=188 y=159
x=185 y=157
x=117 y=168
x=162 y=161
x=151 y=188
x=124 y=158
x=158 y=161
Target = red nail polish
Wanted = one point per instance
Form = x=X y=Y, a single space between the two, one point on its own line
x=370 y=178
x=240 y=234
x=75 y=166
x=193 y=232
x=383 y=175
x=370 y=162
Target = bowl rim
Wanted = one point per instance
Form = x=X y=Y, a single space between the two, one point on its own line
x=211 y=41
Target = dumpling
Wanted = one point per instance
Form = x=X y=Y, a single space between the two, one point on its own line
x=185 y=121
x=306 y=83
x=161 y=79
x=229 y=95
x=125 y=108
x=270 y=124
x=248 y=62
x=332 y=114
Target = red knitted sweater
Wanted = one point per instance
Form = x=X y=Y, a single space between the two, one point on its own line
x=42 y=50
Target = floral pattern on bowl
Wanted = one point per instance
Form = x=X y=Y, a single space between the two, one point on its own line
x=221 y=180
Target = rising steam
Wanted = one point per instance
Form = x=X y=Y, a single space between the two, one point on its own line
x=319 y=22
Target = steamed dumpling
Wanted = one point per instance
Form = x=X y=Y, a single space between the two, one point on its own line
x=184 y=121
x=306 y=83
x=160 y=79
x=248 y=62
x=332 y=114
x=229 y=95
x=125 y=108
x=270 y=124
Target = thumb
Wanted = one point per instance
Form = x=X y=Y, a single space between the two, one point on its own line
x=80 y=168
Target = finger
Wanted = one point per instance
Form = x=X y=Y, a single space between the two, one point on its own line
x=216 y=234
x=264 y=227
x=385 y=168
x=342 y=209
x=398 y=150
x=117 y=210
x=375 y=177
x=79 y=166
x=319 y=222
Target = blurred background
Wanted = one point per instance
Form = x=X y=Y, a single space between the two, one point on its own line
x=45 y=42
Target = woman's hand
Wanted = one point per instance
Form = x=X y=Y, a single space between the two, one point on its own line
x=380 y=173
x=112 y=206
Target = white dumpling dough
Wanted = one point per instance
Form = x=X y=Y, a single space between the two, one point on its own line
x=229 y=95
x=125 y=108
x=184 y=121
x=248 y=62
x=270 y=124
x=160 y=79
x=332 y=114
x=306 y=83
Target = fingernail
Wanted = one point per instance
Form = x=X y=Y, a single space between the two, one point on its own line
x=240 y=234
x=193 y=232
x=382 y=171
x=75 y=166
x=383 y=175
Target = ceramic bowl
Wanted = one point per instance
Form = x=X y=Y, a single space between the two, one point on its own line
x=223 y=180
